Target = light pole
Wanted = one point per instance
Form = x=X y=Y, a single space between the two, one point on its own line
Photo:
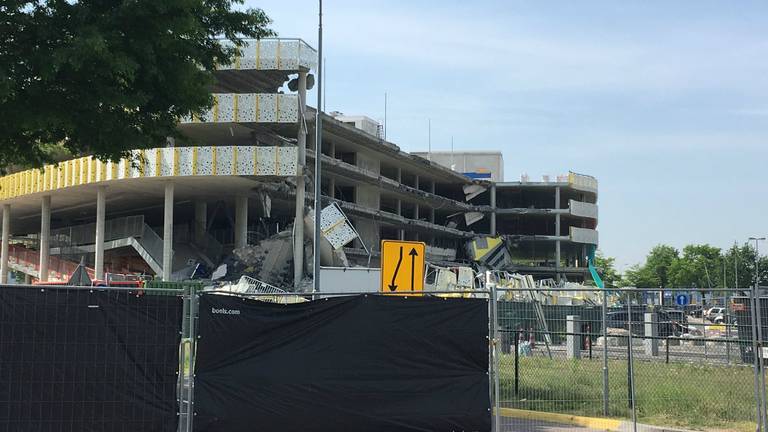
x=757 y=346
x=318 y=152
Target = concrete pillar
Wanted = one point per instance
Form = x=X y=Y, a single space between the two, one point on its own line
x=557 y=233
x=45 y=236
x=651 y=332
x=6 y=242
x=401 y=233
x=168 y=232
x=241 y=222
x=298 y=221
x=416 y=214
x=573 y=339
x=27 y=279
x=332 y=187
x=493 y=211
x=201 y=221
x=432 y=209
x=101 y=201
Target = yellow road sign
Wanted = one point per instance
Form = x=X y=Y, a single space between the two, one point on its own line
x=402 y=266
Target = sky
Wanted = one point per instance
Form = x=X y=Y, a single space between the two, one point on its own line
x=665 y=103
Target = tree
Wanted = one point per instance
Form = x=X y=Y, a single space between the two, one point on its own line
x=104 y=77
x=656 y=271
x=699 y=266
x=740 y=260
x=606 y=269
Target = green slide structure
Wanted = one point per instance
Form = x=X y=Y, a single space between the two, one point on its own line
x=591 y=261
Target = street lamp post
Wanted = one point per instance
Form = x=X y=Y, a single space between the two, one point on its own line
x=318 y=152
x=757 y=346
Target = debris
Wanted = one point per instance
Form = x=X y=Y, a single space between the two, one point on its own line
x=219 y=273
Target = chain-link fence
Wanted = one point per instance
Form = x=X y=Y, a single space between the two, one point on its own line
x=632 y=355
x=610 y=359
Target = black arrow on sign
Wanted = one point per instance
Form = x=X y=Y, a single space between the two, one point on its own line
x=392 y=286
x=413 y=255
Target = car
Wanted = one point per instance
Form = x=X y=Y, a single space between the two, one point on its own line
x=715 y=312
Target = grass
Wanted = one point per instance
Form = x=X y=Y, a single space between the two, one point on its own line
x=677 y=395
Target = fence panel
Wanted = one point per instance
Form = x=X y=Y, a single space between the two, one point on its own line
x=689 y=370
x=363 y=362
x=666 y=363
x=76 y=359
x=551 y=361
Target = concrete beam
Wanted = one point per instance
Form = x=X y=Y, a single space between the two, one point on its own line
x=493 y=207
x=409 y=193
x=45 y=236
x=201 y=221
x=241 y=222
x=101 y=197
x=168 y=232
x=5 y=243
x=298 y=220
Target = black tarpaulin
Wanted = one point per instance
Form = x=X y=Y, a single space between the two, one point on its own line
x=88 y=360
x=364 y=363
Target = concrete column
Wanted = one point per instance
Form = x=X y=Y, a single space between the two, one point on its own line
x=573 y=339
x=652 y=332
x=6 y=242
x=557 y=232
x=332 y=187
x=201 y=221
x=432 y=209
x=101 y=200
x=493 y=212
x=45 y=235
x=168 y=232
x=241 y=222
x=401 y=233
x=298 y=221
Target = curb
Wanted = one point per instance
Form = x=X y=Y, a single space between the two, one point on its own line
x=605 y=424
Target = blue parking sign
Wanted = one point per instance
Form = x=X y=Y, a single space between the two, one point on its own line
x=682 y=299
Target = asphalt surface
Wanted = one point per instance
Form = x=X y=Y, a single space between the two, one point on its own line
x=522 y=425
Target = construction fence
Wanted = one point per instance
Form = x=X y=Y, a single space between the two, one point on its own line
x=168 y=359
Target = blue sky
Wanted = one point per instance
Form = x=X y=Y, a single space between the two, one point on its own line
x=666 y=103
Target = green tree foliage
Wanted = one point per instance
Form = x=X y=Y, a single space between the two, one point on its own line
x=656 y=272
x=700 y=266
x=606 y=269
x=740 y=262
x=106 y=76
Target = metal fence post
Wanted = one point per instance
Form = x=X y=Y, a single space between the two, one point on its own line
x=756 y=361
x=496 y=355
x=517 y=361
x=194 y=307
x=606 y=409
x=630 y=365
x=761 y=369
